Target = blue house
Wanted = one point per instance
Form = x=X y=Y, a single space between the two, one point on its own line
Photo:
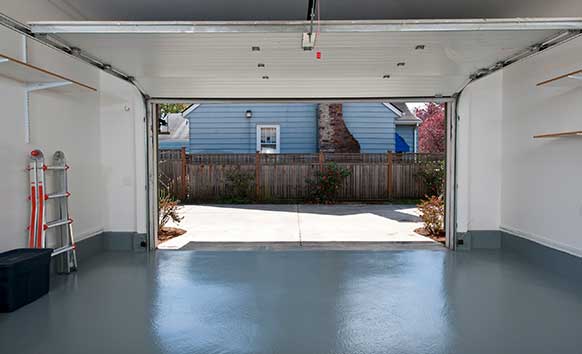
x=298 y=127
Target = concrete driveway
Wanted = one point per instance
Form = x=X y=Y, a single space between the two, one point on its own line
x=297 y=223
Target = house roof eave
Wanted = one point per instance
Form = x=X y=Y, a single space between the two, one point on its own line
x=393 y=108
x=407 y=122
x=190 y=109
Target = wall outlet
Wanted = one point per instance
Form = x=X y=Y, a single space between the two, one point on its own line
x=139 y=242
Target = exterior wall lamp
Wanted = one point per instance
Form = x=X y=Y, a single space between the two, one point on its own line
x=249 y=114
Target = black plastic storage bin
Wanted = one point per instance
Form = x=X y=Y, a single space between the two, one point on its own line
x=24 y=276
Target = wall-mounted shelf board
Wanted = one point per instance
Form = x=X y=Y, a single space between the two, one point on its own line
x=560 y=135
x=38 y=78
x=569 y=80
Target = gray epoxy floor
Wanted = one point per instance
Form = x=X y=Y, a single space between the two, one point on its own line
x=295 y=302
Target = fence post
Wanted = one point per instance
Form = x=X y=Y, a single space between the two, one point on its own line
x=258 y=175
x=389 y=171
x=321 y=161
x=183 y=176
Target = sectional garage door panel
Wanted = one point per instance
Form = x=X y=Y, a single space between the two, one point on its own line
x=352 y=64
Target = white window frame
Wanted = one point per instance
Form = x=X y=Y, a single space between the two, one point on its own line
x=278 y=135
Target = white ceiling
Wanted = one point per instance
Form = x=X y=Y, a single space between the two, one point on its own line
x=222 y=65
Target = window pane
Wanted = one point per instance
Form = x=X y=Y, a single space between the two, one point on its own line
x=268 y=135
x=268 y=142
x=267 y=149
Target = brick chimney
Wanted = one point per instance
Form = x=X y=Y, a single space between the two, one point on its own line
x=334 y=136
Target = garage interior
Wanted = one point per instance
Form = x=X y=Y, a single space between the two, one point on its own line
x=82 y=76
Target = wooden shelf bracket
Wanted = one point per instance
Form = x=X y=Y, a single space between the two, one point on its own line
x=560 y=135
x=46 y=85
x=35 y=79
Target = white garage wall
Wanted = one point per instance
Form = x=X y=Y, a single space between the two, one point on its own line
x=479 y=155
x=71 y=124
x=541 y=190
x=103 y=142
x=123 y=155
x=58 y=122
x=506 y=179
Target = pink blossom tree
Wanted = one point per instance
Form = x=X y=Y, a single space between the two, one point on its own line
x=431 y=132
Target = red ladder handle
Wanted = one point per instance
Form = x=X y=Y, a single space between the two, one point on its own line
x=40 y=218
x=32 y=213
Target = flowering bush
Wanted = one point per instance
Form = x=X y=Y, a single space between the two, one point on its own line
x=324 y=186
x=432 y=214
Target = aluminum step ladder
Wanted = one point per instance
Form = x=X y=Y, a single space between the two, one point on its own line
x=39 y=198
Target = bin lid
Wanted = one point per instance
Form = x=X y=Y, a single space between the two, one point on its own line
x=22 y=254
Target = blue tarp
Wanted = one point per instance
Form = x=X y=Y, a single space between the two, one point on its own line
x=401 y=145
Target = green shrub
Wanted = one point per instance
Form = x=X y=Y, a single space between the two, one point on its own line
x=433 y=175
x=239 y=187
x=323 y=188
x=432 y=214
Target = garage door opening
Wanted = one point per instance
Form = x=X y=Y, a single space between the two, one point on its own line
x=301 y=174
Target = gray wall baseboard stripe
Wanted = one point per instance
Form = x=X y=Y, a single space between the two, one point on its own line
x=90 y=247
x=463 y=241
x=488 y=239
x=544 y=256
x=103 y=242
x=124 y=241
x=479 y=239
x=118 y=241
x=85 y=249
x=139 y=242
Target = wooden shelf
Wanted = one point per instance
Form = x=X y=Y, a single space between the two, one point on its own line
x=38 y=78
x=569 y=80
x=559 y=135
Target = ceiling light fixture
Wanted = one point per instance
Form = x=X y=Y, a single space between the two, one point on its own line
x=260 y=65
x=419 y=47
x=401 y=64
x=265 y=77
x=386 y=76
x=255 y=48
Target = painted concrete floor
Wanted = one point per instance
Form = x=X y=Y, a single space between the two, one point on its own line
x=298 y=223
x=302 y=302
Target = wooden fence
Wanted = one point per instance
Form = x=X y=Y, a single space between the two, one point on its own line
x=282 y=177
